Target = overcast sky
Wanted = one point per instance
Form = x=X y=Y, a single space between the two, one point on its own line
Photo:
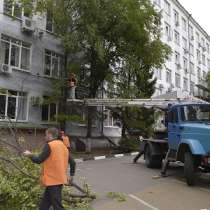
x=200 y=10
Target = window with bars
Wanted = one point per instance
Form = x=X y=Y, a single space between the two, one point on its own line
x=13 y=105
x=53 y=64
x=15 y=53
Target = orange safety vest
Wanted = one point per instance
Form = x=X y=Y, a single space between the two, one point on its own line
x=66 y=141
x=54 y=168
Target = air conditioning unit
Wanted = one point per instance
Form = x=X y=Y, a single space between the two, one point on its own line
x=27 y=25
x=6 y=69
x=199 y=62
x=199 y=44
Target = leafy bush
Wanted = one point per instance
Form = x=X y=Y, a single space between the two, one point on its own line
x=20 y=188
x=129 y=144
x=17 y=191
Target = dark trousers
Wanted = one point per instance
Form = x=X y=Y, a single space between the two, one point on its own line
x=52 y=197
x=72 y=164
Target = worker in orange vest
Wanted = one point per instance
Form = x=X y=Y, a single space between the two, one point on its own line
x=67 y=143
x=54 y=158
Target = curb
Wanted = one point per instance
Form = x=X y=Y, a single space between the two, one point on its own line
x=103 y=157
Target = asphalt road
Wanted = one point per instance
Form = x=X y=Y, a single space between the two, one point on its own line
x=142 y=189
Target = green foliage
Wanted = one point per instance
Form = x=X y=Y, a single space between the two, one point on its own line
x=18 y=191
x=72 y=118
x=21 y=192
x=129 y=144
x=98 y=35
x=120 y=197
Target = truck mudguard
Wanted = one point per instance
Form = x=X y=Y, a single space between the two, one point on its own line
x=194 y=145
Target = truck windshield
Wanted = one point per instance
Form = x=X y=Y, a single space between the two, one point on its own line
x=195 y=113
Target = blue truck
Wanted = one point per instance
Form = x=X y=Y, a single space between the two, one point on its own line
x=186 y=139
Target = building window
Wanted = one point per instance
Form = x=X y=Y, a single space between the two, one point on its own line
x=49 y=111
x=157 y=2
x=185 y=63
x=204 y=75
x=177 y=80
x=168 y=32
x=207 y=47
x=13 y=105
x=202 y=42
x=167 y=7
x=14 y=9
x=177 y=58
x=204 y=60
x=208 y=64
x=15 y=53
x=191 y=34
x=192 y=49
x=168 y=76
x=158 y=74
x=176 y=18
x=192 y=88
x=184 y=43
x=53 y=64
x=198 y=56
x=192 y=68
x=185 y=84
x=197 y=37
x=184 y=24
x=176 y=36
x=199 y=72
x=49 y=22
x=109 y=120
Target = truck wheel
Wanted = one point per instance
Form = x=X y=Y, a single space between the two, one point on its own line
x=151 y=160
x=189 y=168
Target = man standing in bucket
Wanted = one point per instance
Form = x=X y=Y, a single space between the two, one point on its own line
x=54 y=159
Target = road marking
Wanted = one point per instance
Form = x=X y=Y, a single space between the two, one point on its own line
x=204 y=189
x=143 y=202
x=119 y=155
x=79 y=160
x=99 y=157
x=134 y=153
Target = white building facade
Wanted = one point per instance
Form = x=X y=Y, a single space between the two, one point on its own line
x=187 y=67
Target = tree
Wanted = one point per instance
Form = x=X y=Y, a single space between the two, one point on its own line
x=98 y=34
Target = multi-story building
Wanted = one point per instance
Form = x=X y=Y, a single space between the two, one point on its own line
x=187 y=67
x=30 y=55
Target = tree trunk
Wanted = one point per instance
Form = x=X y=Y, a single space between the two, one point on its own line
x=63 y=103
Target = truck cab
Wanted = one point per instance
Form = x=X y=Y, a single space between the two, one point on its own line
x=189 y=137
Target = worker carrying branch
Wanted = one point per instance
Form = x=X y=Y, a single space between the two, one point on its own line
x=54 y=158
